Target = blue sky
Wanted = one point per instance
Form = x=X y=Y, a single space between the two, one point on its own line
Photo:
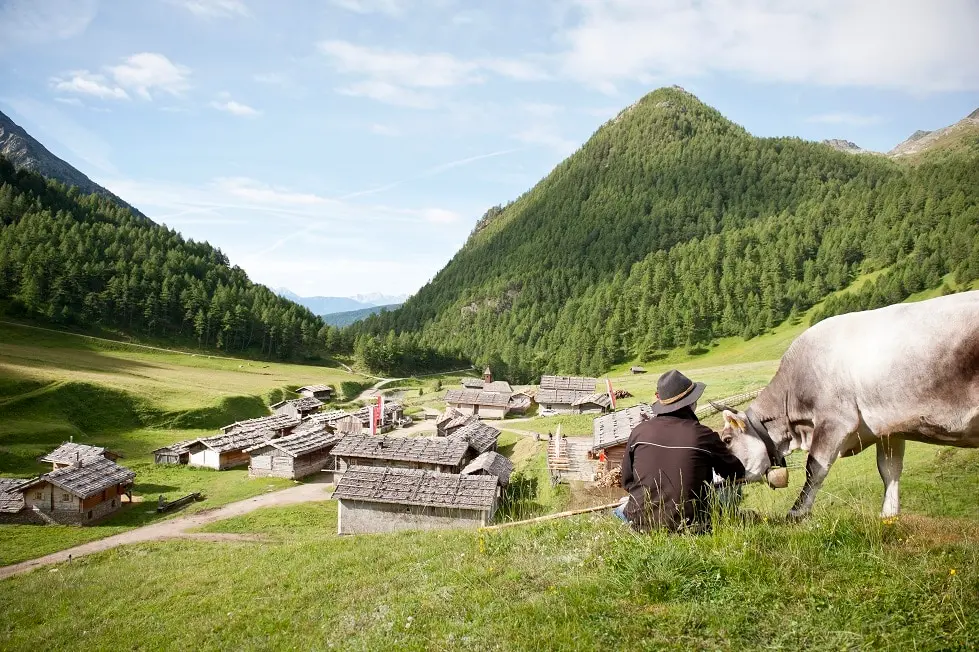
x=337 y=147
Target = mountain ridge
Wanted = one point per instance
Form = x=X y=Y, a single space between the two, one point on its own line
x=27 y=153
x=323 y=305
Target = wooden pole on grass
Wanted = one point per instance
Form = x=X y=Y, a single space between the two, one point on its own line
x=551 y=517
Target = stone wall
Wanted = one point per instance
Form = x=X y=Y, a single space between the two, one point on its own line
x=360 y=517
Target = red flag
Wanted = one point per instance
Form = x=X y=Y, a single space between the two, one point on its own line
x=611 y=394
x=380 y=412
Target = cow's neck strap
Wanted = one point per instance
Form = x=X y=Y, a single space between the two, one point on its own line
x=758 y=429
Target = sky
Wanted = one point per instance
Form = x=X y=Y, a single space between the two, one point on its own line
x=337 y=147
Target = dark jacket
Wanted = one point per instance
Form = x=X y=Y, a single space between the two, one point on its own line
x=667 y=470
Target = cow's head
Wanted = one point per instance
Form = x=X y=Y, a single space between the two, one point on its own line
x=750 y=442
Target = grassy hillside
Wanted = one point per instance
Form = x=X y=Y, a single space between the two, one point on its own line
x=672 y=227
x=132 y=400
x=842 y=580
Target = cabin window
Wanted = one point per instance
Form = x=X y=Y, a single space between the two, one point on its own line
x=66 y=498
x=113 y=502
x=38 y=495
x=90 y=515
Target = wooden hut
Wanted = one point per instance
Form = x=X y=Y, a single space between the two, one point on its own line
x=451 y=420
x=227 y=450
x=280 y=424
x=431 y=453
x=294 y=456
x=83 y=493
x=389 y=500
x=491 y=463
x=177 y=453
x=11 y=499
x=479 y=436
x=70 y=452
x=559 y=393
x=486 y=405
x=588 y=403
x=321 y=392
x=610 y=432
x=298 y=408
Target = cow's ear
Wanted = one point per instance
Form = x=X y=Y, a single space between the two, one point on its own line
x=732 y=419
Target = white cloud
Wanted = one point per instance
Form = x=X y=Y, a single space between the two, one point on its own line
x=400 y=77
x=150 y=71
x=384 y=130
x=389 y=94
x=896 y=44
x=843 y=118
x=31 y=21
x=387 y=7
x=257 y=192
x=214 y=8
x=70 y=101
x=87 y=83
x=235 y=108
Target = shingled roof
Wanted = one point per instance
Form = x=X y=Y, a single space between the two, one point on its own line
x=477 y=397
x=498 y=386
x=236 y=440
x=615 y=428
x=598 y=398
x=179 y=447
x=417 y=487
x=574 y=383
x=427 y=450
x=480 y=436
x=11 y=500
x=303 y=404
x=491 y=463
x=315 y=388
x=560 y=396
x=473 y=383
x=86 y=479
x=271 y=422
x=70 y=452
x=299 y=443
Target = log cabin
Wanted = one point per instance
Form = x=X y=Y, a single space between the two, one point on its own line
x=559 y=393
x=491 y=463
x=321 y=392
x=298 y=408
x=177 y=453
x=80 y=494
x=70 y=452
x=372 y=499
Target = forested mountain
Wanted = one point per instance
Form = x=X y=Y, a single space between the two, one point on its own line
x=673 y=226
x=71 y=258
x=26 y=153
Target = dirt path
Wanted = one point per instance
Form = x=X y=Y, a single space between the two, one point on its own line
x=179 y=527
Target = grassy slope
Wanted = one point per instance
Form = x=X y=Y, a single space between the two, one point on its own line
x=843 y=579
x=56 y=386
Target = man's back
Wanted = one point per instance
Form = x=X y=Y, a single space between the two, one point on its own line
x=667 y=468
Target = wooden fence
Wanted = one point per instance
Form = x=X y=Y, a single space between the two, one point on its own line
x=730 y=401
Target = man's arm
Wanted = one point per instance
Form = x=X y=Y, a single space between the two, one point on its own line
x=722 y=459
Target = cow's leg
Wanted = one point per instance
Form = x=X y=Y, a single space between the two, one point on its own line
x=890 y=463
x=827 y=439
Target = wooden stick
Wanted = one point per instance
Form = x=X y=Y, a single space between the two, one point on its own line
x=550 y=517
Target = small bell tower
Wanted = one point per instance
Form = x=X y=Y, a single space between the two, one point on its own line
x=487 y=375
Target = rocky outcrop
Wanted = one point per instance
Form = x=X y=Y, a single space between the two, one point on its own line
x=26 y=153
x=921 y=141
x=846 y=146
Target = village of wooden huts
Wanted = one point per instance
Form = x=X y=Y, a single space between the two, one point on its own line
x=485 y=398
x=227 y=450
x=571 y=395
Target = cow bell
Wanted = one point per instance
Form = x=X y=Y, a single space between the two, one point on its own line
x=778 y=477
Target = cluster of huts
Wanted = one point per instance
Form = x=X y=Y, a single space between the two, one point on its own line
x=295 y=441
x=489 y=399
x=455 y=479
x=85 y=484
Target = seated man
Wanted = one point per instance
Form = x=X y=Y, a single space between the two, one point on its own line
x=670 y=462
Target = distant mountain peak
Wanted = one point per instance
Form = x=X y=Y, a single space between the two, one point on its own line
x=921 y=140
x=26 y=153
x=847 y=146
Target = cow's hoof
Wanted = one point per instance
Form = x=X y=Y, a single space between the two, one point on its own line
x=796 y=515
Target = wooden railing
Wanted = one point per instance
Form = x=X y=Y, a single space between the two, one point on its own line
x=730 y=401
